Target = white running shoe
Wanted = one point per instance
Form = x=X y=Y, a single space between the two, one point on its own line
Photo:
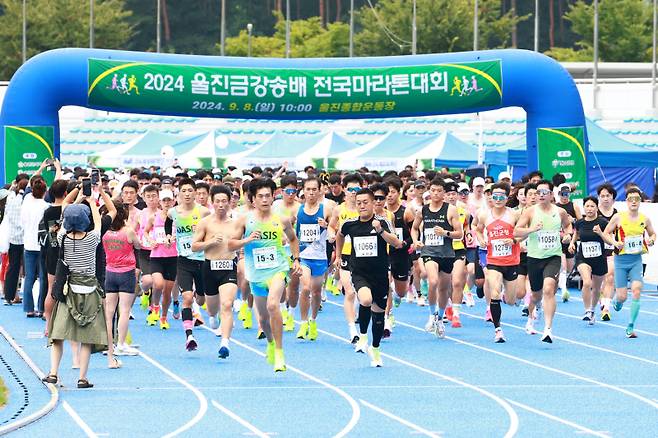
x=440 y=328
x=530 y=327
x=547 y=336
x=361 y=345
x=375 y=357
x=500 y=337
x=429 y=327
x=421 y=301
x=125 y=350
x=323 y=295
x=470 y=301
x=213 y=322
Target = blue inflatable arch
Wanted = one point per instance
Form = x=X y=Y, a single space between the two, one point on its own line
x=51 y=80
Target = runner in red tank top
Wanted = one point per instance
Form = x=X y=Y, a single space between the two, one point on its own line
x=503 y=253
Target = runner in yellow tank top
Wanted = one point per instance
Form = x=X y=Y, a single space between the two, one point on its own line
x=635 y=234
x=347 y=210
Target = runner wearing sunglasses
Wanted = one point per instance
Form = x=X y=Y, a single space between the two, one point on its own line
x=634 y=235
x=542 y=225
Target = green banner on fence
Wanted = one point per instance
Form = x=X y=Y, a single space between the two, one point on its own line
x=294 y=93
x=25 y=149
x=562 y=150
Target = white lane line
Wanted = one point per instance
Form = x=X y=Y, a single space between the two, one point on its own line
x=513 y=417
x=625 y=307
x=203 y=403
x=544 y=367
x=559 y=420
x=571 y=341
x=609 y=324
x=356 y=410
x=79 y=421
x=409 y=424
x=240 y=420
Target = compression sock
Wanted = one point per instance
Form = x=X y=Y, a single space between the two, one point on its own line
x=635 y=310
x=377 y=328
x=188 y=322
x=434 y=309
x=424 y=287
x=495 y=312
x=364 y=319
x=480 y=291
x=440 y=312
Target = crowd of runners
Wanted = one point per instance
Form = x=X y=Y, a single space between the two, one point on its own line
x=269 y=245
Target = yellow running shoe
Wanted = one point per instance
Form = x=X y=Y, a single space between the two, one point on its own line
x=284 y=315
x=260 y=334
x=242 y=313
x=247 y=322
x=129 y=337
x=303 y=330
x=312 y=330
x=152 y=318
x=204 y=307
x=269 y=352
x=289 y=323
x=279 y=361
x=164 y=325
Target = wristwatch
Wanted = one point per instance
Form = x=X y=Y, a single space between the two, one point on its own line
x=447 y=233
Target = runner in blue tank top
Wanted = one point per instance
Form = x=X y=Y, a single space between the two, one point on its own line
x=266 y=263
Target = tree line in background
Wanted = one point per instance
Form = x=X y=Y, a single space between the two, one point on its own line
x=320 y=28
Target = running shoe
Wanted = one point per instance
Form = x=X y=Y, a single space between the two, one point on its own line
x=525 y=311
x=190 y=343
x=279 y=361
x=430 y=325
x=198 y=319
x=387 y=329
x=284 y=316
x=448 y=314
x=391 y=320
x=247 y=322
x=213 y=322
x=440 y=329
x=269 y=352
x=242 y=313
x=617 y=305
x=421 y=301
x=302 y=333
x=547 y=336
x=144 y=300
x=411 y=296
x=323 y=295
x=125 y=350
x=456 y=322
x=565 y=296
x=375 y=357
x=499 y=336
x=605 y=315
x=164 y=325
x=487 y=316
x=530 y=327
x=468 y=297
x=396 y=300
x=176 y=310
x=592 y=318
x=355 y=339
x=223 y=352
x=630 y=333
x=361 y=345
x=289 y=323
x=312 y=330
x=260 y=334
x=587 y=317
x=152 y=318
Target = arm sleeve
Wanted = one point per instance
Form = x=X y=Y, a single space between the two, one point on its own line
x=168 y=226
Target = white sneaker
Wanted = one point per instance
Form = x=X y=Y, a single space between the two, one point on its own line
x=411 y=297
x=421 y=301
x=530 y=327
x=429 y=327
x=213 y=322
x=375 y=357
x=547 y=336
x=361 y=345
x=323 y=295
x=125 y=350
x=470 y=301
x=440 y=328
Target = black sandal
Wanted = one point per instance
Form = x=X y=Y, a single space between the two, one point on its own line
x=50 y=378
x=84 y=384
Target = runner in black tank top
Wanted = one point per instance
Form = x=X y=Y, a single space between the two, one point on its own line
x=607 y=195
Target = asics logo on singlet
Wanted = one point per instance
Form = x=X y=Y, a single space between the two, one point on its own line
x=269 y=235
x=185 y=229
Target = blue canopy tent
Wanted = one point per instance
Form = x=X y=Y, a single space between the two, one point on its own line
x=391 y=151
x=455 y=152
x=610 y=158
x=275 y=150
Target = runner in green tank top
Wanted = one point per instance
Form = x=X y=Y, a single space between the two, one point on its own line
x=543 y=224
x=265 y=263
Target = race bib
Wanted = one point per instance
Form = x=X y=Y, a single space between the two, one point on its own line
x=591 y=249
x=309 y=232
x=159 y=235
x=185 y=246
x=633 y=244
x=501 y=249
x=265 y=258
x=365 y=246
x=432 y=239
x=221 y=265
x=548 y=239
x=607 y=246
x=398 y=233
